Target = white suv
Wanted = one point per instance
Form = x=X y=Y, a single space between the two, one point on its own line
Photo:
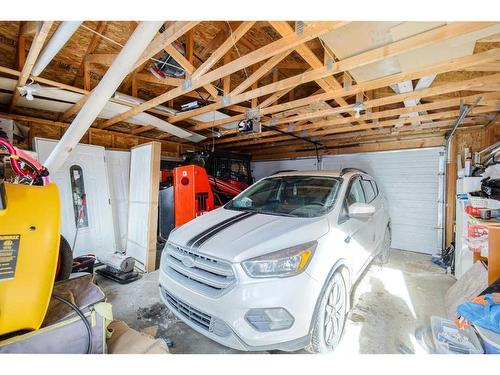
x=273 y=268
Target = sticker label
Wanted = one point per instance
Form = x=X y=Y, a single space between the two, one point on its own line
x=9 y=248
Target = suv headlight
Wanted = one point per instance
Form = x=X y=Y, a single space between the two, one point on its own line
x=282 y=263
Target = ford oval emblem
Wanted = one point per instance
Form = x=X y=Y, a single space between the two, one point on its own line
x=188 y=262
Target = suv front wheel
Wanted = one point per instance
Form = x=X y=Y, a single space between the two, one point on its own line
x=330 y=316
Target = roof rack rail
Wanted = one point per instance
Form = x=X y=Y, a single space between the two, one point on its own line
x=284 y=171
x=347 y=170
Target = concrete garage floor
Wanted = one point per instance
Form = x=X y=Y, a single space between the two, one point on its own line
x=389 y=303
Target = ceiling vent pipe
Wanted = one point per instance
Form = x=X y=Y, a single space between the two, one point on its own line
x=61 y=36
x=98 y=98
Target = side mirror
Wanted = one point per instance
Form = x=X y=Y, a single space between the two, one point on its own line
x=361 y=211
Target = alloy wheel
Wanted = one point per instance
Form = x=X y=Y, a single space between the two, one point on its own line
x=334 y=314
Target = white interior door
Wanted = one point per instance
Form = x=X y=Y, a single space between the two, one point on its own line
x=86 y=165
x=143 y=204
x=118 y=168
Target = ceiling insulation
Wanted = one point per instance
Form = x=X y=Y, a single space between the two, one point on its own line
x=58 y=100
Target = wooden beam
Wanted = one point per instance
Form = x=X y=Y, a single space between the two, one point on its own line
x=262 y=71
x=35 y=49
x=21 y=50
x=113 y=133
x=101 y=26
x=310 y=32
x=29 y=28
x=189 y=68
x=335 y=123
x=168 y=81
x=365 y=58
x=332 y=124
x=451 y=181
x=328 y=83
x=221 y=35
x=223 y=49
x=170 y=35
x=190 y=46
x=294 y=65
x=379 y=146
x=447 y=66
x=135 y=86
x=474 y=83
x=100 y=58
x=279 y=145
x=142 y=129
x=226 y=81
x=87 y=83
x=401 y=121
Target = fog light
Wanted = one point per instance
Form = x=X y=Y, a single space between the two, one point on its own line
x=273 y=319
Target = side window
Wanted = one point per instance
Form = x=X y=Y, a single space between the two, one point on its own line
x=375 y=187
x=369 y=191
x=356 y=194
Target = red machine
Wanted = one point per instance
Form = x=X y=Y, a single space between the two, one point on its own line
x=193 y=195
x=207 y=182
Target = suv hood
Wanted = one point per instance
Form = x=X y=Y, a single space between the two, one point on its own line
x=237 y=235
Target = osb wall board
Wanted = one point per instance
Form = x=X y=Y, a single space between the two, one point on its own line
x=55 y=130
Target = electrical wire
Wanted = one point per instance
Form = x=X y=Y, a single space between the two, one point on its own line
x=151 y=58
x=82 y=316
x=234 y=44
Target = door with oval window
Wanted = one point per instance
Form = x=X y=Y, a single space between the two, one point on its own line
x=86 y=215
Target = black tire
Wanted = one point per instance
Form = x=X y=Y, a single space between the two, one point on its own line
x=385 y=251
x=329 y=320
x=65 y=260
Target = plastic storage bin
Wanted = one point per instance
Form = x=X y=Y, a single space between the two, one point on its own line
x=490 y=340
x=448 y=339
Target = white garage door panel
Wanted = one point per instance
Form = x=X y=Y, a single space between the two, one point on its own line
x=262 y=169
x=411 y=182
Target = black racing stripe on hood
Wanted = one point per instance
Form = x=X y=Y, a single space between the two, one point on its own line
x=204 y=236
x=208 y=230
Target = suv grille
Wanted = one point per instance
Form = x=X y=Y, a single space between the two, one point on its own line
x=198 y=272
x=202 y=320
x=196 y=316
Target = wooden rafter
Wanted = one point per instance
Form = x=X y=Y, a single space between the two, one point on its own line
x=272 y=49
x=189 y=68
x=378 y=54
x=223 y=49
x=35 y=49
x=328 y=83
x=172 y=33
x=447 y=66
x=333 y=125
x=101 y=26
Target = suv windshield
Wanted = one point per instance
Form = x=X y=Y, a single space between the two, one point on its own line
x=298 y=196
